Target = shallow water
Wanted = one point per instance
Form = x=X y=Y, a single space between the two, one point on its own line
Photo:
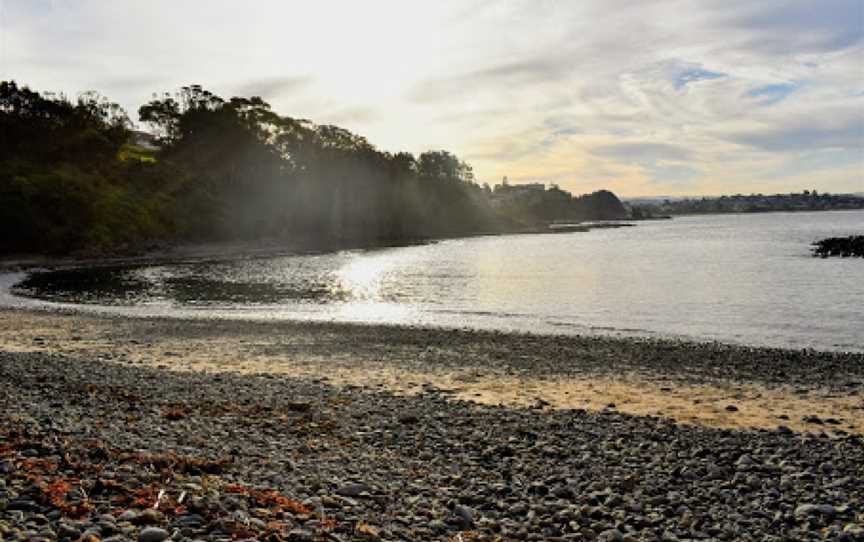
x=734 y=278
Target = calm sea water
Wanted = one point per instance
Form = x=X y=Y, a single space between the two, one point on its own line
x=733 y=278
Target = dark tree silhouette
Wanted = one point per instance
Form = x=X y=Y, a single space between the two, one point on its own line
x=231 y=170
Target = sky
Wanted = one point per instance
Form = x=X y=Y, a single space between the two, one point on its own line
x=666 y=97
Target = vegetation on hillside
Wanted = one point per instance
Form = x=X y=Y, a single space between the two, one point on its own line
x=72 y=178
x=534 y=203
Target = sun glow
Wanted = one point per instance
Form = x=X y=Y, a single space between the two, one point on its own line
x=363 y=277
x=363 y=284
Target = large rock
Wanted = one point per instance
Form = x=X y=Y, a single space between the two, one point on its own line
x=153 y=534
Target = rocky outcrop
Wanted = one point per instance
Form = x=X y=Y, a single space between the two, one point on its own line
x=845 y=247
x=600 y=205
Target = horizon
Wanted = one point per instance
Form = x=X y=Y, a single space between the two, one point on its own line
x=748 y=99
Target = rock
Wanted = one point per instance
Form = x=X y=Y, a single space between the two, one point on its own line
x=464 y=516
x=300 y=535
x=193 y=520
x=845 y=247
x=731 y=408
x=563 y=492
x=65 y=530
x=745 y=461
x=22 y=505
x=815 y=509
x=152 y=534
x=107 y=528
x=610 y=535
x=353 y=489
x=299 y=406
x=408 y=419
x=149 y=517
x=128 y=515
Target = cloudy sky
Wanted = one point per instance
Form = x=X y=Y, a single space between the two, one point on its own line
x=641 y=97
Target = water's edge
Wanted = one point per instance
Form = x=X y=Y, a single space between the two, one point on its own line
x=745 y=280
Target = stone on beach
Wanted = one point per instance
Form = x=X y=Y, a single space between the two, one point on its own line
x=153 y=534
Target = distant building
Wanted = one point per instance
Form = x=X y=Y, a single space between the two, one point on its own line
x=525 y=188
x=504 y=193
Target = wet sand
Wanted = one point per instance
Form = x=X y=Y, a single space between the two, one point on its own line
x=710 y=385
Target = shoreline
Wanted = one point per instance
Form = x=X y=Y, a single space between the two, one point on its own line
x=121 y=429
x=221 y=250
x=707 y=383
x=218 y=251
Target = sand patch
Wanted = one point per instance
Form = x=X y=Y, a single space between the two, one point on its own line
x=732 y=405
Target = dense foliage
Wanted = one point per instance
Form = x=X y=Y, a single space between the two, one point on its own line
x=72 y=179
x=62 y=186
x=535 y=204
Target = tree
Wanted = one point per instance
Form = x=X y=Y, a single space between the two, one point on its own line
x=441 y=165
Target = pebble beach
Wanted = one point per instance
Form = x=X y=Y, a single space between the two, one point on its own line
x=98 y=443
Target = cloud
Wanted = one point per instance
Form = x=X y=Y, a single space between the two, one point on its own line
x=667 y=96
x=693 y=75
x=128 y=83
x=270 y=88
x=471 y=115
x=642 y=152
x=767 y=95
x=782 y=26
x=350 y=115
x=680 y=175
x=498 y=77
x=803 y=135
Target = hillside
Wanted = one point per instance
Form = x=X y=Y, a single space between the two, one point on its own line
x=75 y=177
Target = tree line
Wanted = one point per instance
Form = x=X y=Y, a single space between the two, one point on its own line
x=72 y=178
x=807 y=200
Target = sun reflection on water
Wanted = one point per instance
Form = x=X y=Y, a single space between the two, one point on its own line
x=363 y=277
x=363 y=284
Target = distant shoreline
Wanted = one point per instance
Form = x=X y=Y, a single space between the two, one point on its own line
x=768 y=211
